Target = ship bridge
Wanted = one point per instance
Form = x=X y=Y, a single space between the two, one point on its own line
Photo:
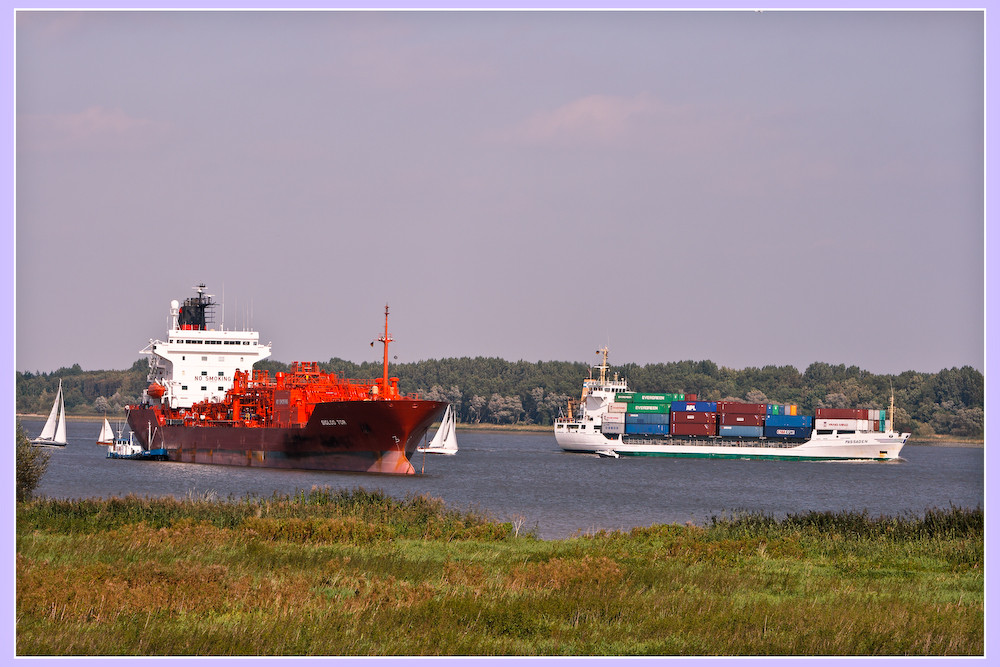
x=600 y=391
x=197 y=363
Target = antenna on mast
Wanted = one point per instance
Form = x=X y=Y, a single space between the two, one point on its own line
x=385 y=340
x=892 y=407
x=604 y=364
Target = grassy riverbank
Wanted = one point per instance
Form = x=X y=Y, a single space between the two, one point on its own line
x=360 y=573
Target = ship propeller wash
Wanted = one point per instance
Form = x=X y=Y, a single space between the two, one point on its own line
x=611 y=421
x=206 y=404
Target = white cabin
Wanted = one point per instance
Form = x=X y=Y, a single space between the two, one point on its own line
x=197 y=363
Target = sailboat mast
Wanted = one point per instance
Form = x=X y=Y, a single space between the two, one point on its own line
x=61 y=427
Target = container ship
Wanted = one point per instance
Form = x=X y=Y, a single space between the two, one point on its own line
x=206 y=404
x=612 y=421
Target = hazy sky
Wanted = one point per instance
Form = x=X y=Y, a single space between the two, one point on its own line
x=751 y=188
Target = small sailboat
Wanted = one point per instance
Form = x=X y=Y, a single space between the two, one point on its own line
x=445 y=441
x=54 y=432
x=107 y=436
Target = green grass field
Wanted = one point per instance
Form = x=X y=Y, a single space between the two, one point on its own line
x=360 y=573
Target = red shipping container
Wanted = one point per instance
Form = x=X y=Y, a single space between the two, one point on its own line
x=693 y=417
x=742 y=408
x=840 y=413
x=693 y=429
x=690 y=397
x=737 y=419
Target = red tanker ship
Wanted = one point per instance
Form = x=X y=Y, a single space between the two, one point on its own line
x=305 y=419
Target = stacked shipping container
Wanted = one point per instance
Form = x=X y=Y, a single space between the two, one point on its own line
x=692 y=417
x=784 y=421
x=787 y=426
x=683 y=414
x=613 y=423
x=862 y=419
x=741 y=420
x=645 y=414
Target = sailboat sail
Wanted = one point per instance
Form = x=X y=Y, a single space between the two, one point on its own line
x=444 y=441
x=54 y=431
x=61 y=426
x=107 y=436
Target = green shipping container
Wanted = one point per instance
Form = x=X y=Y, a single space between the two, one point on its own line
x=647 y=407
x=652 y=398
x=624 y=397
x=657 y=398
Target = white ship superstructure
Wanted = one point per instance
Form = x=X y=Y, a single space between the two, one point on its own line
x=586 y=417
x=197 y=363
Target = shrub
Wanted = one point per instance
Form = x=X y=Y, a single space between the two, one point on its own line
x=31 y=465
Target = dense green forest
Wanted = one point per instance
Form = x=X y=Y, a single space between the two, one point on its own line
x=493 y=390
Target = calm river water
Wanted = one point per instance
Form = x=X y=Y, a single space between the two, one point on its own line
x=513 y=474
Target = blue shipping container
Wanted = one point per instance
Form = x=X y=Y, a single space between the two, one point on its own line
x=781 y=420
x=693 y=406
x=741 y=431
x=647 y=429
x=787 y=431
x=647 y=418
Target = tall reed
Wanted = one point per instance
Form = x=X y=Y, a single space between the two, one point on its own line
x=324 y=572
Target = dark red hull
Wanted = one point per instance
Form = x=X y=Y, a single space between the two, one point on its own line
x=355 y=436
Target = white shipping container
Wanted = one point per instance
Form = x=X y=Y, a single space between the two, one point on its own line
x=613 y=418
x=612 y=428
x=859 y=425
x=841 y=424
x=617 y=407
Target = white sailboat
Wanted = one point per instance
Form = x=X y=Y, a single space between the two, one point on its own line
x=54 y=432
x=107 y=436
x=445 y=441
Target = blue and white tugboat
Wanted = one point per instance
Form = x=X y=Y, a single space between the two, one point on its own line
x=127 y=448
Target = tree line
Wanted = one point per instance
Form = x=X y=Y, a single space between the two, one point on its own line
x=496 y=391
